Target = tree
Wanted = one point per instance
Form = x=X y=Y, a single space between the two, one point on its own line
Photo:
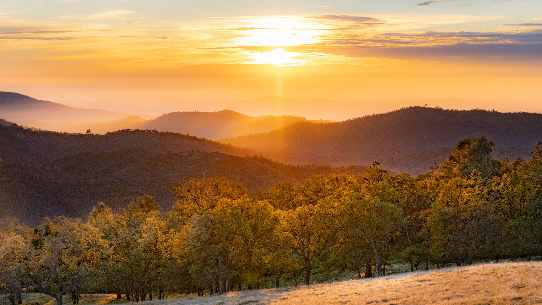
x=463 y=221
x=61 y=256
x=14 y=249
x=196 y=196
x=469 y=155
x=370 y=222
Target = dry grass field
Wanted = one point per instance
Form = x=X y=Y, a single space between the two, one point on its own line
x=506 y=283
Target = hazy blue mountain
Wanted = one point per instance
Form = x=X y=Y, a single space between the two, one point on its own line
x=20 y=108
x=218 y=125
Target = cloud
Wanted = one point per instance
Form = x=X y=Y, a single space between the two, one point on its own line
x=350 y=18
x=510 y=45
x=35 y=38
x=431 y=2
x=38 y=32
x=322 y=5
x=114 y=14
x=129 y=22
x=148 y=37
x=525 y=24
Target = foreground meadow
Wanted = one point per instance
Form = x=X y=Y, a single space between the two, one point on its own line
x=506 y=283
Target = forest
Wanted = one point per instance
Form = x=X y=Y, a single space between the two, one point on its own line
x=218 y=237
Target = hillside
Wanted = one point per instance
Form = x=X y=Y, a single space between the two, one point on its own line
x=218 y=125
x=50 y=174
x=407 y=140
x=20 y=108
x=508 y=283
x=4 y=123
x=131 y=122
x=18 y=144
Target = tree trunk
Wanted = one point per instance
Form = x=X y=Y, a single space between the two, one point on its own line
x=277 y=280
x=368 y=270
x=59 y=298
x=308 y=270
x=426 y=265
x=377 y=259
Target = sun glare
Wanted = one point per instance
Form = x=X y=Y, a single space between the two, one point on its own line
x=280 y=31
x=277 y=57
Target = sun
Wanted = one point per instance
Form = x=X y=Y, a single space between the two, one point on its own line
x=277 y=57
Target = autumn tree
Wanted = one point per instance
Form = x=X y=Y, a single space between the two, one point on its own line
x=61 y=260
x=14 y=250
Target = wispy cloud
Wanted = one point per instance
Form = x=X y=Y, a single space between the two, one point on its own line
x=112 y=14
x=146 y=37
x=350 y=18
x=431 y=2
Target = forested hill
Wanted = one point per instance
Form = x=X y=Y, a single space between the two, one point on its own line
x=218 y=125
x=19 y=144
x=18 y=108
x=50 y=174
x=4 y=123
x=407 y=140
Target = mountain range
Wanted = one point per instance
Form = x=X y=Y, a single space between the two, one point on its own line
x=407 y=140
x=218 y=125
x=47 y=173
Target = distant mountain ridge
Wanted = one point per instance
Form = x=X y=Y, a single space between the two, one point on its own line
x=131 y=122
x=219 y=124
x=18 y=144
x=407 y=140
x=18 y=108
x=45 y=173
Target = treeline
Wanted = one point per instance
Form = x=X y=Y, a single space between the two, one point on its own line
x=217 y=238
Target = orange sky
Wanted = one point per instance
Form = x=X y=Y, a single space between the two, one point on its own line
x=133 y=56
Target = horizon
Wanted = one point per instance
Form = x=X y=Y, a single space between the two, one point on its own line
x=371 y=107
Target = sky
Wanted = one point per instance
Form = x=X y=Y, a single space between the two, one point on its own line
x=152 y=57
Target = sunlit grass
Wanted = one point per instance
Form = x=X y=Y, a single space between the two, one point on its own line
x=508 y=283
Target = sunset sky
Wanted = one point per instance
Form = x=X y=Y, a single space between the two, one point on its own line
x=158 y=56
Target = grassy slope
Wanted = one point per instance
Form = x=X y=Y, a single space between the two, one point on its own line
x=509 y=283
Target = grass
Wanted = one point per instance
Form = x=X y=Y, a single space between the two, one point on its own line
x=42 y=299
x=506 y=283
